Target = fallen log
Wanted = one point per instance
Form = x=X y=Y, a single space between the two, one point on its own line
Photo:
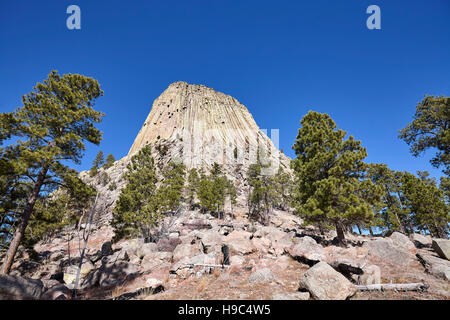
x=393 y=286
x=207 y=265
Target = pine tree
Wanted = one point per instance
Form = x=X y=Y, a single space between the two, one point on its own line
x=430 y=129
x=13 y=193
x=392 y=212
x=65 y=206
x=283 y=184
x=426 y=203
x=410 y=203
x=193 y=182
x=56 y=118
x=231 y=193
x=444 y=185
x=212 y=190
x=262 y=196
x=109 y=161
x=329 y=171
x=137 y=209
x=98 y=161
x=172 y=186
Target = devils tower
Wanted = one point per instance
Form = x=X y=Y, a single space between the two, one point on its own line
x=201 y=126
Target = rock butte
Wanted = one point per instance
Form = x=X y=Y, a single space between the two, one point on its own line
x=201 y=126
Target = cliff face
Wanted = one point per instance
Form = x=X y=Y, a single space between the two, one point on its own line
x=200 y=126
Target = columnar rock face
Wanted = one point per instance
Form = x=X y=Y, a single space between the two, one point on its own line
x=200 y=126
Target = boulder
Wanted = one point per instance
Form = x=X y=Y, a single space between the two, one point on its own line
x=402 y=241
x=272 y=233
x=262 y=244
x=117 y=273
x=325 y=283
x=261 y=275
x=185 y=267
x=57 y=292
x=347 y=267
x=185 y=250
x=13 y=287
x=145 y=249
x=281 y=244
x=385 y=249
x=421 y=241
x=106 y=249
x=56 y=256
x=210 y=239
x=442 y=248
x=371 y=275
x=152 y=282
x=131 y=246
x=291 y=296
x=438 y=267
x=119 y=255
x=167 y=244
x=239 y=242
x=306 y=250
x=156 y=259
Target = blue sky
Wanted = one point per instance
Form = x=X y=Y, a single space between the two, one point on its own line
x=279 y=58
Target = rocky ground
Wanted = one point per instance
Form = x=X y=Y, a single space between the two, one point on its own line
x=281 y=261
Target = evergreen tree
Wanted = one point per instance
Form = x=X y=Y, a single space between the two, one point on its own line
x=410 y=203
x=193 y=182
x=262 y=196
x=430 y=129
x=98 y=161
x=109 y=161
x=329 y=172
x=444 y=185
x=392 y=212
x=137 y=209
x=212 y=190
x=56 y=118
x=172 y=186
x=231 y=193
x=13 y=193
x=65 y=206
x=426 y=204
x=283 y=184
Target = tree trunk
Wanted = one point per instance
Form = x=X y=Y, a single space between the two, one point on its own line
x=27 y=211
x=371 y=231
x=390 y=286
x=340 y=233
